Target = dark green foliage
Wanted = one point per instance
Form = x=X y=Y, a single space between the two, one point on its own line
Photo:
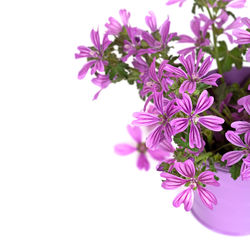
x=235 y=170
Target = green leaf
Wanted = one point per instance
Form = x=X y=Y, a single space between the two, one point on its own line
x=235 y=171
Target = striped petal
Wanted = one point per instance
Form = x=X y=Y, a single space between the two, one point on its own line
x=186 y=197
x=172 y=181
x=207 y=197
x=234 y=139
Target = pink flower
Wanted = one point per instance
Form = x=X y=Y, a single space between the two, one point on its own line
x=200 y=33
x=194 y=75
x=193 y=182
x=142 y=161
x=160 y=119
x=194 y=119
x=156 y=82
x=96 y=61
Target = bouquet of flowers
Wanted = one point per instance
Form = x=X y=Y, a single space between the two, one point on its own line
x=197 y=120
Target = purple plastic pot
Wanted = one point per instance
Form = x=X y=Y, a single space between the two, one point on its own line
x=232 y=213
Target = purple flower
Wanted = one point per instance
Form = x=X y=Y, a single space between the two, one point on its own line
x=210 y=121
x=160 y=119
x=241 y=127
x=142 y=161
x=156 y=83
x=130 y=47
x=200 y=33
x=233 y=157
x=114 y=27
x=187 y=170
x=96 y=56
x=102 y=81
x=166 y=37
x=194 y=75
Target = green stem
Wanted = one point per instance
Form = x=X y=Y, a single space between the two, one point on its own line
x=223 y=146
x=215 y=46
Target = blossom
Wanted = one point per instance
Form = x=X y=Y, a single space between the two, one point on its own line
x=193 y=182
x=194 y=75
x=130 y=47
x=200 y=33
x=156 y=82
x=114 y=27
x=160 y=119
x=166 y=37
x=235 y=156
x=102 y=81
x=142 y=161
x=210 y=121
x=95 y=55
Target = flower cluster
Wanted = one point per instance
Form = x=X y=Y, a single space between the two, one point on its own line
x=189 y=110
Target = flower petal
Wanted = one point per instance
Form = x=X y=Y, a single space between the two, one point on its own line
x=82 y=73
x=172 y=181
x=186 y=168
x=180 y=124
x=185 y=104
x=194 y=137
x=135 y=133
x=211 y=122
x=142 y=162
x=204 y=102
x=247 y=138
x=145 y=119
x=154 y=138
x=232 y=157
x=207 y=197
x=188 y=86
x=234 y=139
x=241 y=126
x=124 y=149
x=186 y=197
x=207 y=178
x=211 y=79
x=205 y=66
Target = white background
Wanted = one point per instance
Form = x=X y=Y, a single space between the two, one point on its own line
x=61 y=185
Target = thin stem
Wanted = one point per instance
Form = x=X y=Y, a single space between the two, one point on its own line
x=223 y=146
x=215 y=45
